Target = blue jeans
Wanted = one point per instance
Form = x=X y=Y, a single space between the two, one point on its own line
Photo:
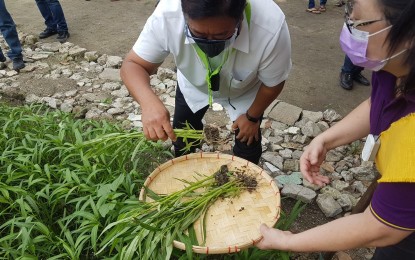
x=349 y=67
x=312 y=4
x=8 y=29
x=52 y=12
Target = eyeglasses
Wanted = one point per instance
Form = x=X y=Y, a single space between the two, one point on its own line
x=348 y=9
x=190 y=35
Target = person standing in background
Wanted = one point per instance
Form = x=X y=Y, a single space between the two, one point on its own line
x=350 y=73
x=52 y=12
x=8 y=29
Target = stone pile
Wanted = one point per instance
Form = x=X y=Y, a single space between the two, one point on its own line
x=95 y=91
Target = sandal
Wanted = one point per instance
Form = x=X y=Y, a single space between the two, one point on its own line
x=313 y=11
x=340 y=3
x=322 y=8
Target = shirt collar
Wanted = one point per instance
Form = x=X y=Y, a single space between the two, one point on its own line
x=242 y=41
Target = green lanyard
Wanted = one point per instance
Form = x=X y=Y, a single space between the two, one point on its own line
x=205 y=60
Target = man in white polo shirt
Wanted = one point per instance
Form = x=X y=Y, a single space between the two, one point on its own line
x=233 y=52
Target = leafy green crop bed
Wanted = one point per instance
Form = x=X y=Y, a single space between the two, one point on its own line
x=62 y=185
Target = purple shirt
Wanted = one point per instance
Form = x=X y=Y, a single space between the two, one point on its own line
x=393 y=203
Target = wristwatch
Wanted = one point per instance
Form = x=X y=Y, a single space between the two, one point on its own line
x=252 y=119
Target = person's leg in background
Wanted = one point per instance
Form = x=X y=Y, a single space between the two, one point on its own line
x=183 y=114
x=51 y=26
x=55 y=21
x=8 y=29
x=346 y=80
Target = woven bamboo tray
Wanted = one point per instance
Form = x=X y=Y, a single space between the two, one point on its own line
x=232 y=224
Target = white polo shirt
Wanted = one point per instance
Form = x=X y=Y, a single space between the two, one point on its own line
x=262 y=54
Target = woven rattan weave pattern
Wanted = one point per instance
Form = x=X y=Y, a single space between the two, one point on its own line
x=232 y=224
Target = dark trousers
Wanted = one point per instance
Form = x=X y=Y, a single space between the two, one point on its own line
x=52 y=12
x=8 y=29
x=349 y=67
x=183 y=114
x=404 y=250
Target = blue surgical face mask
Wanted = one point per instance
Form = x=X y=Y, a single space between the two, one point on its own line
x=354 y=44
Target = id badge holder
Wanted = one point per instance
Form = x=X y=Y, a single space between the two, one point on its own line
x=371 y=148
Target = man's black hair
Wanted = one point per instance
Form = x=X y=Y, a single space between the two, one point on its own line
x=198 y=9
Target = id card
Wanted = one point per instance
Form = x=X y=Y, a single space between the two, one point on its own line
x=371 y=148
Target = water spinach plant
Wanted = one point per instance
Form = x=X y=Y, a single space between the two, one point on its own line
x=66 y=186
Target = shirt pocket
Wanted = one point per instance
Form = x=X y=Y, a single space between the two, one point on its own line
x=241 y=80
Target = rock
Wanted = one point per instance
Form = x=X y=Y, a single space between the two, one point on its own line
x=114 y=62
x=165 y=73
x=286 y=153
x=345 y=202
x=311 y=129
x=359 y=187
x=328 y=205
x=93 y=113
x=285 y=113
x=310 y=185
x=274 y=159
x=333 y=156
x=50 y=46
x=339 y=185
x=331 y=116
x=347 y=175
x=292 y=130
x=110 y=74
x=312 y=116
x=363 y=173
x=66 y=107
x=77 y=52
x=299 y=192
x=32 y=98
x=294 y=178
x=330 y=191
x=271 y=169
x=217 y=107
x=291 y=165
x=91 y=56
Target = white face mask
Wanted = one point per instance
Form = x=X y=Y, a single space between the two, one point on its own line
x=355 y=44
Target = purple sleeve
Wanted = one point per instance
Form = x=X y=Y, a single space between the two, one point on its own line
x=394 y=205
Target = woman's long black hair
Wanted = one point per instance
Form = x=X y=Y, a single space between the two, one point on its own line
x=401 y=14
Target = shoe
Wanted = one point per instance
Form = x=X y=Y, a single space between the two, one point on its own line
x=346 y=80
x=47 y=33
x=340 y=3
x=18 y=64
x=2 y=57
x=361 y=79
x=63 y=37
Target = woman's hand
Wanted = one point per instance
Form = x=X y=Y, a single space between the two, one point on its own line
x=310 y=162
x=273 y=238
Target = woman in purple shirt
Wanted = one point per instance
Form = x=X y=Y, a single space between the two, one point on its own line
x=378 y=35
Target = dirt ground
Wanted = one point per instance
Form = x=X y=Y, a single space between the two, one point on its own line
x=113 y=27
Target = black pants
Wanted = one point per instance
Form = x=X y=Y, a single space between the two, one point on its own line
x=404 y=250
x=183 y=114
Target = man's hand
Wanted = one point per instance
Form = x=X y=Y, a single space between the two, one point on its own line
x=248 y=131
x=156 y=122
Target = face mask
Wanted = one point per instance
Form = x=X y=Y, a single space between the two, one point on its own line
x=212 y=48
x=355 y=44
